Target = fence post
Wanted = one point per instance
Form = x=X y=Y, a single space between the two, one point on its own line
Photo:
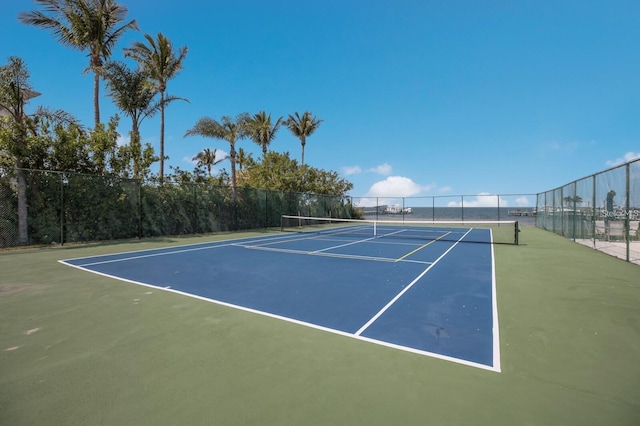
x=575 y=211
x=595 y=215
x=62 y=209
x=562 y=212
x=377 y=207
x=266 y=208
x=628 y=209
x=140 y=210
x=433 y=209
x=194 y=214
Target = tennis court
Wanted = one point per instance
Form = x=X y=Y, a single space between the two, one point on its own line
x=424 y=289
x=79 y=348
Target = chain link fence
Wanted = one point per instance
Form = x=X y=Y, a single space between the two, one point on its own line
x=464 y=208
x=601 y=211
x=64 y=207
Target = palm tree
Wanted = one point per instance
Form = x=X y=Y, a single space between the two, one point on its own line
x=208 y=158
x=261 y=131
x=84 y=25
x=243 y=158
x=228 y=129
x=162 y=64
x=302 y=127
x=572 y=200
x=15 y=92
x=133 y=94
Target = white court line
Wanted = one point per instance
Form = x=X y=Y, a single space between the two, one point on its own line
x=295 y=321
x=357 y=336
x=422 y=246
x=319 y=237
x=494 y=302
x=311 y=236
x=283 y=241
x=337 y=255
x=399 y=295
x=153 y=255
x=171 y=250
x=342 y=245
x=355 y=242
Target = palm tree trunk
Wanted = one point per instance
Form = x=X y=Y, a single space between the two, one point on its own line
x=161 y=137
x=232 y=156
x=303 y=142
x=96 y=98
x=23 y=226
x=136 y=150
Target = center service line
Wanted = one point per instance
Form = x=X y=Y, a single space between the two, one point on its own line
x=399 y=295
x=342 y=245
x=421 y=247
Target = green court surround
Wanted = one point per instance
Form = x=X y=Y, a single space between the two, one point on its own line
x=78 y=349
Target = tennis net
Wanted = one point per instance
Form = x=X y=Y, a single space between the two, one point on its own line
x=489 y=232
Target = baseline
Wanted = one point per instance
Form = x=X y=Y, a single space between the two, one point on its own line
x=153 y=252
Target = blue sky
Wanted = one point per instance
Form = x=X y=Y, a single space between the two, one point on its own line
x=418 y=98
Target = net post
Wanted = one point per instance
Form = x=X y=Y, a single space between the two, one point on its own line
x=281 y=223
x=517 y=231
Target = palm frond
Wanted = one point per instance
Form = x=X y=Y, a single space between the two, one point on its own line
x=58 y=116
x=302 y=127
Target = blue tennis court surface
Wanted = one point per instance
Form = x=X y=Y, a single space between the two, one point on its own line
x=430 y=297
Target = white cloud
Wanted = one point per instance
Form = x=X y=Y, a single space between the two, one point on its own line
x=558 y=147
x=189 y=160
x=522 y=202
x=383 y=169
x=394 y=186
x=351 y=170
x=398 y=187
x=483 y=199
x=629 y=156
x=569 y=146
x=123 y=140
x=221 y=154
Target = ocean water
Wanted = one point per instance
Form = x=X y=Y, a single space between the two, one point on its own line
x=458 y=213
